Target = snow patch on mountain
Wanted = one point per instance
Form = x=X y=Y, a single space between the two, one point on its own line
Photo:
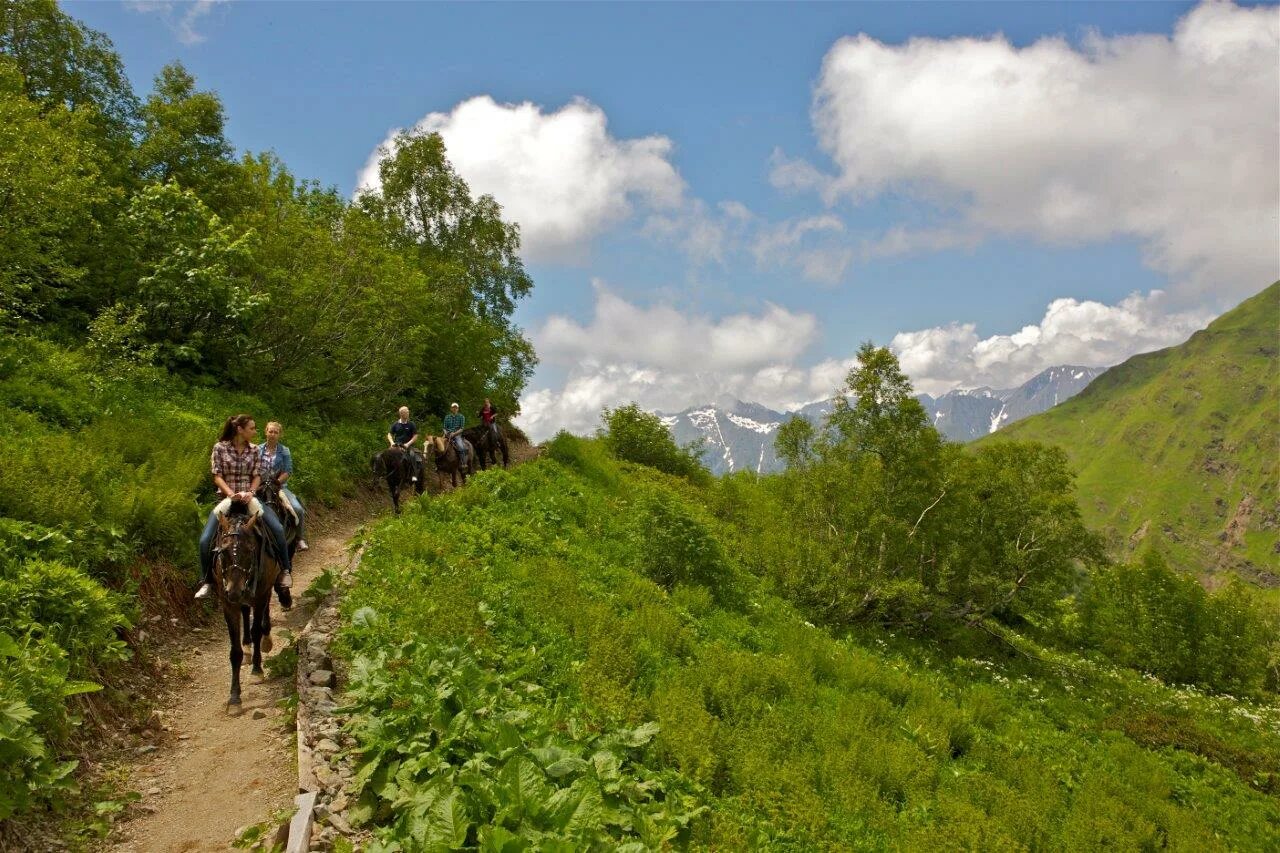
x=754 y=426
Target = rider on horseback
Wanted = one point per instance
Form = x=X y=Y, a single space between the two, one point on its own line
x=453 y=424
x=489 y=417
x=403 y=433
x=237 y=472
x=277 y=462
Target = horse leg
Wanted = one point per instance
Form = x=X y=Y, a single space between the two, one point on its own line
x=247 y=625
x=232 y=615
x=506 y=454
x=395 y=496
x=267 y=644
x=258 y=609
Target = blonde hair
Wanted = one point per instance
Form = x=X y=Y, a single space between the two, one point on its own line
x=275 y=424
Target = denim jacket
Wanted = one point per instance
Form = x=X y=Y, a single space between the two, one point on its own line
x=283 y=462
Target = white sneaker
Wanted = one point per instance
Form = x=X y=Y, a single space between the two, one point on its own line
x=303 y=546
x=205 y=590
x=286 y=580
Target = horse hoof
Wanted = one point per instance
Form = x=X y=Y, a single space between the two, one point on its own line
x=257 y=670
x=266 y=643
x=234 y=700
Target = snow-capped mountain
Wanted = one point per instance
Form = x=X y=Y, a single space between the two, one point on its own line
x=738 y=436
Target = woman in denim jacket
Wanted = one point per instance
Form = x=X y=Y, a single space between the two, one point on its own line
x=276 y=459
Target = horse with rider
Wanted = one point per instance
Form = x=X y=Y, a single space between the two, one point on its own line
x=250 y=537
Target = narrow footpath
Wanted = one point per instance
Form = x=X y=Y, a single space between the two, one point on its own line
x=220 y=769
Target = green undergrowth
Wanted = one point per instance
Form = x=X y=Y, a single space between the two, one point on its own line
x=104 y=485
x=571 y=655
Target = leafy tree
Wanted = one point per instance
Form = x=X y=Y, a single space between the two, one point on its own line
x=794 y=441
x=426 y=204
x=889 y=523
x=1016 y=517
x=192 y=289
x=634 y=435
x=66 y=64
x=183 y=137
x=1149 y=616
x=50 y=180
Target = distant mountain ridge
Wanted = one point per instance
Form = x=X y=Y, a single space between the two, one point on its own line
x=738 y=436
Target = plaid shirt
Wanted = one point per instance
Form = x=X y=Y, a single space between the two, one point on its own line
x=238 y=468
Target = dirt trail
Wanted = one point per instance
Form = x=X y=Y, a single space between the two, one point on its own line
x=219 y=769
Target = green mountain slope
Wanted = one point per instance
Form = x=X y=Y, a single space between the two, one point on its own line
x=1183 y=445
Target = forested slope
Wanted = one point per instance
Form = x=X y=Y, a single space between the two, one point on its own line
x=1182 y=446
x=153 y=282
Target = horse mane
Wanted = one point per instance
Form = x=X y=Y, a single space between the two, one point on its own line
x=438 y=442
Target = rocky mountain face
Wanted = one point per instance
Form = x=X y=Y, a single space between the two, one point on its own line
x=738 y=436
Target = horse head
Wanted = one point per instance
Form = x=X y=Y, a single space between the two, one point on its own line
x=236 y=553
x=269 y=493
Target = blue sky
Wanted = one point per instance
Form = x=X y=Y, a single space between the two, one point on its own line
x=731 y=197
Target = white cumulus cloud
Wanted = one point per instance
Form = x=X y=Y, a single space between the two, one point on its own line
x=665 y=337
x=1170 y=140
x=1071 y=332
x=667 y=359
x=561 y=175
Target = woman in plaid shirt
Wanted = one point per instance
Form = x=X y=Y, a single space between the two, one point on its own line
x=237 y=471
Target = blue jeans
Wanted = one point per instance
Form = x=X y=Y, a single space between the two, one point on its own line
x=460 y=444
x=274 y=528
x=297 y=508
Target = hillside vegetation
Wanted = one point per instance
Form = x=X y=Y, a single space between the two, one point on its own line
x=1181 y=447
x=584 y=653
x=153 y=283
x=894 y=645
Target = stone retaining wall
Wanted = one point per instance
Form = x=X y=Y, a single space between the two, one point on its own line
x=324 y=768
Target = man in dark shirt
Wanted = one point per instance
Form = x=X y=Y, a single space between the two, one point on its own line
x=403 y=432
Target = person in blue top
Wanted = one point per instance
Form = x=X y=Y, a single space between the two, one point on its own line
x=453 y=424
x=276 y=459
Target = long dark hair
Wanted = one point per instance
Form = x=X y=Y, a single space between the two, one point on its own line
x=233 y=423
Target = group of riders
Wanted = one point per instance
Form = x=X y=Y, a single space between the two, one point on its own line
x=404 y=432
x=239 y=468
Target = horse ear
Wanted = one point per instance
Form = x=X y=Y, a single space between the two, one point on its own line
x=224 y=523
x=253 y=519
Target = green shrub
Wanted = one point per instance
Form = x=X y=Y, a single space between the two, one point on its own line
x=674 y=547
x=634 y=435
x=1156 y=619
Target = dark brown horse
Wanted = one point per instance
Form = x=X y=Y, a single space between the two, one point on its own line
x=244 y=572
x=488 y=440
x=399 y=467
x=446 y=458
x=271 y=497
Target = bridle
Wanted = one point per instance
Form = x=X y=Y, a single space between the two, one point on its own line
x=234 y=555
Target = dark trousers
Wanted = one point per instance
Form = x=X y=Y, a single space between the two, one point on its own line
x=274 y=528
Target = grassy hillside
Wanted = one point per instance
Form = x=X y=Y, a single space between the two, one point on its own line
x=1183 y=445
x=573 y=655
